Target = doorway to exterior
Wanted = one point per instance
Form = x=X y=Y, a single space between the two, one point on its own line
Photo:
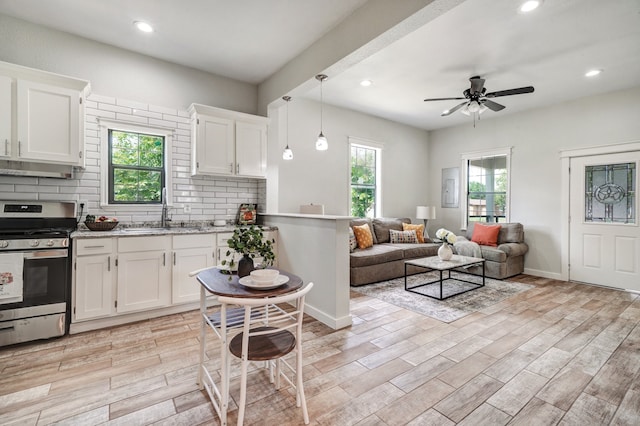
x=603 y=231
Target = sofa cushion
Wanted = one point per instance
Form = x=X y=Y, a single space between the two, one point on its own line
x=486 y=234
x=379 y=253
x=402 y=237
x=362 y=221
x=419 y=228
x=363 y=236
x=509 y=232
x=412 y=251
x=382 y=226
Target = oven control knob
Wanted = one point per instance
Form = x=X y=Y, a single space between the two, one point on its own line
x=4 y=244
x=34 y=243
x=50 y=243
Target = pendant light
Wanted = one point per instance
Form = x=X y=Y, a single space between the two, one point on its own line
x=287 y=154
x=321 y=143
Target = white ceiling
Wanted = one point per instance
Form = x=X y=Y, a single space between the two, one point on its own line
x=249 y=40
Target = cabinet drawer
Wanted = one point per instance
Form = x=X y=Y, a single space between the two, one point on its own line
x=137 y=244
x=223 y=237
x=93 y=246
x=193 y=241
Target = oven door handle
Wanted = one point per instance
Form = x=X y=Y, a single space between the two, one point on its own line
x=46 y=254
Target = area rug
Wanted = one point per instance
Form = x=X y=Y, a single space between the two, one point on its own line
x=448 y=310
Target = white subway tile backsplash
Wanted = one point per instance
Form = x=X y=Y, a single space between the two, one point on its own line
x=210 y=197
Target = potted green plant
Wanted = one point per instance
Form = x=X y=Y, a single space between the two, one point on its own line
x=250 y=243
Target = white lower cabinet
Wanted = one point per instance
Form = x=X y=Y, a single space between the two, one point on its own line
x=116 y=276
x=144 y=273
x=94 y=279
x=190 y=253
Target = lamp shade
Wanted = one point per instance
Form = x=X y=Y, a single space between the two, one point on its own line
x=424 y=212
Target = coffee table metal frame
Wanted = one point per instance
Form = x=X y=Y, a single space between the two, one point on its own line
x=434 y=263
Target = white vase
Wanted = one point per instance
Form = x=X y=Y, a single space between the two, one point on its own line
x=445 y=252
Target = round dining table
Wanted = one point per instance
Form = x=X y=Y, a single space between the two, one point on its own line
x=222 y=283
x=225 y=322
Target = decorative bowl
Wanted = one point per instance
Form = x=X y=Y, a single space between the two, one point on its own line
x=264 y=276
x=101 y=226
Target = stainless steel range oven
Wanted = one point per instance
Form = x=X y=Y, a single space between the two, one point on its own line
x=35 y=269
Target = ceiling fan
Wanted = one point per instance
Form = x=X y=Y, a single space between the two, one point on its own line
x=477 y=100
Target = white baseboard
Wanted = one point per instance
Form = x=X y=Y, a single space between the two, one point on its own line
x=543 y=274
x=334 y=323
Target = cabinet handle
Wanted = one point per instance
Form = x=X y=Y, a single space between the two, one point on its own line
x=88 y=247
x=230 y=167
x=164 y=259
x=109 y=263
x=19 y=148
x=174 y=258
x=238 y=168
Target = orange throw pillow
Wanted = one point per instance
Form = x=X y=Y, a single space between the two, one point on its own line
x=363 y=236
x=486 y=235
x=415 y=227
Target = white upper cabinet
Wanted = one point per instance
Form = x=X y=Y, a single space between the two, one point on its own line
x=45 y=123
x=227 y=142
x=5 y=117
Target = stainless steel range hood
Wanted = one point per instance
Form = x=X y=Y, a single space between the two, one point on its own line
x=22 y=168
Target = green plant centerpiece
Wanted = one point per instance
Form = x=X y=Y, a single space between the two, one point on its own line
x=249 y=241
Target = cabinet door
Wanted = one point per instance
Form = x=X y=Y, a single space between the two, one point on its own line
x=214 y=152
x=251 y=149
x=94 y=283
x=5 y=117
x=144 y=280
x=49 y=125
x=184 y=287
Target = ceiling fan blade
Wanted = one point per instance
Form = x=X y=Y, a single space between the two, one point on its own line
x=518 y=91
x=454 y=109
x=443 y=99
x=493 y=106
x=477 y=84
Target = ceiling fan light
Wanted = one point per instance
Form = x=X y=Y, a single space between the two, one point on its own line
x=482 y=109
x=465 y=111
x=473 y=106
x=592 y=73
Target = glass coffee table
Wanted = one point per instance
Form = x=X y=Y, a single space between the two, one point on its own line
x=434 y=263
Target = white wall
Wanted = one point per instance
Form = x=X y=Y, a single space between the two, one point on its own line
x=323 y=177
x=120 y=73
x=536 y=136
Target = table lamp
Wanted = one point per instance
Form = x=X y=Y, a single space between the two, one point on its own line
x=425 y=213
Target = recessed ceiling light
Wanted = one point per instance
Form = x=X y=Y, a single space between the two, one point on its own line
x=592 y=73
x=530 y=5
x=366 y=83
x=143 y=26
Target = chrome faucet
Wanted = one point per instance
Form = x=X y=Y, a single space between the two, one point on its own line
x=165 y=210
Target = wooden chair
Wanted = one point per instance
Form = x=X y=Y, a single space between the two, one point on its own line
x=268 y=334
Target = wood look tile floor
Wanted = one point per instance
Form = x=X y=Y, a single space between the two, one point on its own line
x=560 y=353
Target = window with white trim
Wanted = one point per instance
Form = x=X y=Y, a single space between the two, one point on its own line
x=486 y=187
x=365 y=194
x=135 y=164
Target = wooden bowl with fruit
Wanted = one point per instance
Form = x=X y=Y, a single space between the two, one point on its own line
x=101 y=223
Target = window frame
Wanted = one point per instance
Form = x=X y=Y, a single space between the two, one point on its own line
x=464 y=188
x=106 y=126
x=378 y=148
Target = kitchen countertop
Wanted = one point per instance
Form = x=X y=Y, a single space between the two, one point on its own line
x=151 y=231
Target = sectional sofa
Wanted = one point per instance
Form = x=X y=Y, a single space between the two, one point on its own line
x=385 y=260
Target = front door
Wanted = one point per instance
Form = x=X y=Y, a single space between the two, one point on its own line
x=604 y=236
